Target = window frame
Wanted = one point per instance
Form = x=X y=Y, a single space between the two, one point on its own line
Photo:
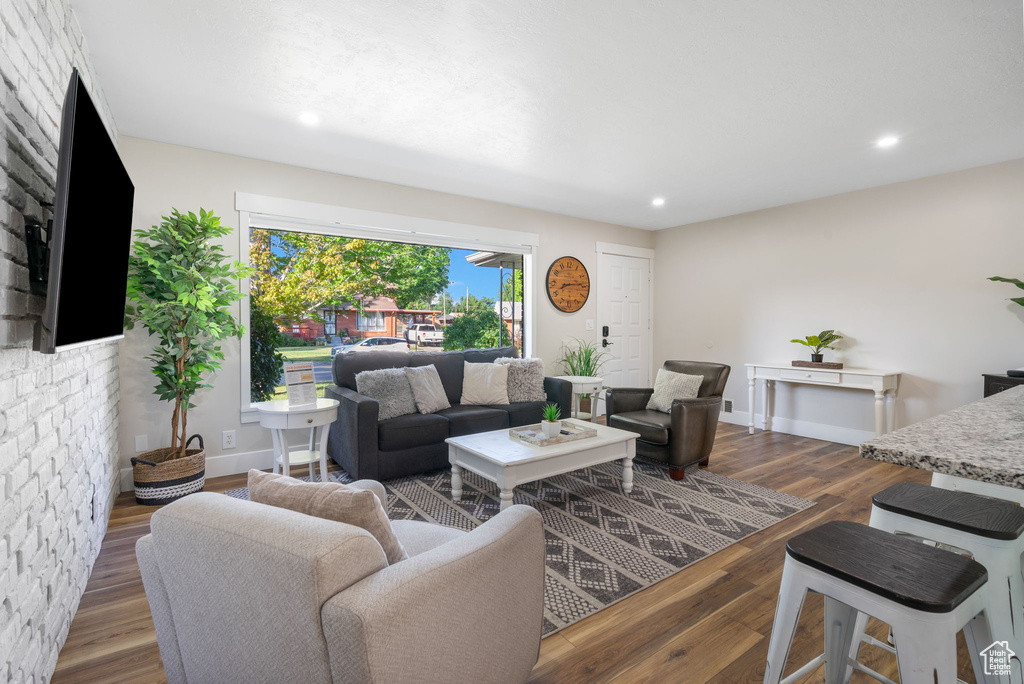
x=276 y=213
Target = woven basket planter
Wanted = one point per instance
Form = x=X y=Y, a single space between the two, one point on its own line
x=160 y=477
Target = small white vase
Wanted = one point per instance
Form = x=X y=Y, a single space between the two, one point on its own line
x=551 y=427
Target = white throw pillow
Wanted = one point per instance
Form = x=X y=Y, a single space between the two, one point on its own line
x=427 y=390
x=484 y=384
x=669 y=386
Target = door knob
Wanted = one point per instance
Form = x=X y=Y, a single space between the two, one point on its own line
x=606 y=343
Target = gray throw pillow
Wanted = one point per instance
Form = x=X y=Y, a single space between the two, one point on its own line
x=670 y=386
x=525 y=379
x=427 y=390
x=390 y=387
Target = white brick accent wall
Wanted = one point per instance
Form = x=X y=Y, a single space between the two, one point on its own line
x=58 y=414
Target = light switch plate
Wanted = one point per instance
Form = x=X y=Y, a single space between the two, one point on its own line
x=590 y=324
x=141 y=443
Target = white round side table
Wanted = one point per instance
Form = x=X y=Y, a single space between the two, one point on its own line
x=278 y=417
x=584 y=384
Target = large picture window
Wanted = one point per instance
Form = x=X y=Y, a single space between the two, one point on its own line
x=316 y=295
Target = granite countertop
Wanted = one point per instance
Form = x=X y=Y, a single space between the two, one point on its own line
x=981 y=441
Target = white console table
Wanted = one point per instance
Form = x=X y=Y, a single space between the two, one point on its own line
x=882 y=383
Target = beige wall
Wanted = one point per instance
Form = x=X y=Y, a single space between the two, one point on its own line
x=168 y=176
x=899 y=270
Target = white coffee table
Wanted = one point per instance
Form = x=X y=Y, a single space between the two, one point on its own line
x=507 y=462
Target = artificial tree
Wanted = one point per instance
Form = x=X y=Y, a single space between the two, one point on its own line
x=180 y=289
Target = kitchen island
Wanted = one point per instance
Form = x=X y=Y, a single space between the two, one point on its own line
x=978 y=447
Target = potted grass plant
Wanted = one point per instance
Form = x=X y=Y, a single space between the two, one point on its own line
x=551 y=425
x=819 y=343
x=584 y=359
x=180 y=289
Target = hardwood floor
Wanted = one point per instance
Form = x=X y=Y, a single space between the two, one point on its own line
x=708 y=623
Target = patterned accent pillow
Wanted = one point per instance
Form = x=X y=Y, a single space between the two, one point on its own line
x=330 y=501
x=484 y=384
x=427 y=390
x=525 y=379
x=669 y=386
x=390 y=387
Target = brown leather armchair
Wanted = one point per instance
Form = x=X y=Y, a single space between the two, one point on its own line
x=683 y=436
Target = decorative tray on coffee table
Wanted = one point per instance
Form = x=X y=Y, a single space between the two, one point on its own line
x=532 y=434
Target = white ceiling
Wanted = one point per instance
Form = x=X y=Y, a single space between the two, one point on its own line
x=587 y=108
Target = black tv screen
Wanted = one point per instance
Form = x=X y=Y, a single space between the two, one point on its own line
x=91 y=233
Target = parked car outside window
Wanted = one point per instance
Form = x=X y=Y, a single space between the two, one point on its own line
x=372 y=344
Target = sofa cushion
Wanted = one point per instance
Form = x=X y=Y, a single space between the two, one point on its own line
x=331 y=501
x=449 y=369
x=488 y=355
x=652 y=426
x=525 y=379
x=484 y=383
x=669 y=386
x=427 y=390
x=346 y=366
x=522 y=412
x=469 y=420
x=391 y=388
x=413 y=430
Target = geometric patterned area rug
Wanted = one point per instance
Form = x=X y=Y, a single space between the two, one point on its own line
x=602 y=545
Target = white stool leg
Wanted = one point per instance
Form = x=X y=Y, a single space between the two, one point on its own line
x=860 y=628
x=787 y=613
x=840 y=630
x=925 y=656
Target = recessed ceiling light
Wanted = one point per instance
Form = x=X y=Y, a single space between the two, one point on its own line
x=309 y=119
x=887 y=141
x=658 y=202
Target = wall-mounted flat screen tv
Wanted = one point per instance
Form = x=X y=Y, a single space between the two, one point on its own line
x=90 y=237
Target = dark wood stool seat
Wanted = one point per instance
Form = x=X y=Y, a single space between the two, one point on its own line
x=962 y=511
x=902 y=570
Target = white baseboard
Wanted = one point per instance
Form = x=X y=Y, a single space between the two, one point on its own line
x=216 y=466
x=803 y=428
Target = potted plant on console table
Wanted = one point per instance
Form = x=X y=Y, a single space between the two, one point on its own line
x=180 y=289
x=819 y=343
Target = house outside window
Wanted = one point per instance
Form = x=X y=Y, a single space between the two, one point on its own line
x=371 y=321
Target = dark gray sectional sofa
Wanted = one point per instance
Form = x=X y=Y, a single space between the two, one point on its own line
x=368 y=448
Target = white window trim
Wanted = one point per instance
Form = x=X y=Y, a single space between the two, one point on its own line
x=264 y=211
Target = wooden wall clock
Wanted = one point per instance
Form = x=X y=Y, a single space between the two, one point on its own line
x=567 y=284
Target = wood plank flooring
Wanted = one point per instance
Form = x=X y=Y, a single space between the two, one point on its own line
x=708 y=623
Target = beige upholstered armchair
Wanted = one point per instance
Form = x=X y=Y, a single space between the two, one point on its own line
x=684 y=435
x=243 y=592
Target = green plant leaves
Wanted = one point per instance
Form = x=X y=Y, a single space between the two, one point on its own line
x=823 y=340
x=181 y=292
x=1013 y=281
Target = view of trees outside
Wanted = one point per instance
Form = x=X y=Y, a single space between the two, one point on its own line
x=298 y=275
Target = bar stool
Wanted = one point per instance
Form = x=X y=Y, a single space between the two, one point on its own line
x=991 y=531
x=926 y=594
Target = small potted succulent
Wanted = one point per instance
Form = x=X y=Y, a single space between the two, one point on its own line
x=551 y=425
x=818 y=343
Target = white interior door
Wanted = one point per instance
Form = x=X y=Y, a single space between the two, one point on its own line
x=624 y=306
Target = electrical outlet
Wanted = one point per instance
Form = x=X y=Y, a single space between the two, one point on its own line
x=228 y=439
x=726 y=405
x=141 y=443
